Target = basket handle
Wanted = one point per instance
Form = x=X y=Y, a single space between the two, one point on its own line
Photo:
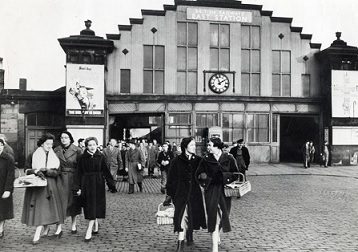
x=161 y=205
x=239 y=173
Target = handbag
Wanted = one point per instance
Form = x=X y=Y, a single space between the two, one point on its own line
x=29 y=181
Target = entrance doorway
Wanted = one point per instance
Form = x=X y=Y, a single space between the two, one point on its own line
x=294 y=131
x=140 y=126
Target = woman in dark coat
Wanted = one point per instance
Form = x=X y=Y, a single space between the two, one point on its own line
x=92 y=171
x=7 y=177
x=43 y=205
x=135 y=162
x=68 y=154
x=215 y=170
x=184 y=190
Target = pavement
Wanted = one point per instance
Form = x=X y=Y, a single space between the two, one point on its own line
x=289 y=209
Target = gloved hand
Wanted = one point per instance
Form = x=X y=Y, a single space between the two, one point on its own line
x=203 y=176
x=41 y=175
x=113 y=190
x=167 y=200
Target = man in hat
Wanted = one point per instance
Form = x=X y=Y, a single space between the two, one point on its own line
x=242 y=156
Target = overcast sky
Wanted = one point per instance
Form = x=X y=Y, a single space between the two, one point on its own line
x=29 y=29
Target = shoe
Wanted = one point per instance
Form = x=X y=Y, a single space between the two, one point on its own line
x=95 y=232
x=59 y=234
x=88 y=240
x=45 y=234
x=74 y=231
x=36 y=242
x=189 y=238
x=2 y=234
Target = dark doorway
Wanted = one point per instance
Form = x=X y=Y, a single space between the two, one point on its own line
x=140 y=126
x=294 y=131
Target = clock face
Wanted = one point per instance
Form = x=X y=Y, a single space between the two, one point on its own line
x=219 y=83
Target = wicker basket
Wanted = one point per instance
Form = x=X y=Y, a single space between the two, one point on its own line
x=165 y=215
x=237 y=188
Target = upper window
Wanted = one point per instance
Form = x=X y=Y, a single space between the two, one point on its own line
x=153 y=73
x=281 y=73
x=125 y=81
x=250 y=60
x=306 y=85
x=220 y=47
x=187 y=59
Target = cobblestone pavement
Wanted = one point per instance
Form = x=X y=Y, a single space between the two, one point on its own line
x=313 y=212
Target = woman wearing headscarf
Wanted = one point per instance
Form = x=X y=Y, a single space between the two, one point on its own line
x=184 y=190
x=68 y=153
x=216 y=169
x=42 y=205
x=92 y=172
x=7 y=177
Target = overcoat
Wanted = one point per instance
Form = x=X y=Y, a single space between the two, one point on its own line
x=113 y=159
x=245 y=155
x=185 y=191
x=133 y=158
x=92 y=171
x=7 y=176
x=214 y=187
x=68 y=166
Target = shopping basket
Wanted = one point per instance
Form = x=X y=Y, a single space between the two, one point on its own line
x=165 y=215
x=237 y=188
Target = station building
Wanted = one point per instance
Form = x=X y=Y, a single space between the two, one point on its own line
x=205 y=67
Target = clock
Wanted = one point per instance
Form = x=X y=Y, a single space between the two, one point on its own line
x=219 y=83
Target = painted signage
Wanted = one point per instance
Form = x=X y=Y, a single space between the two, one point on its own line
x=85 y=90
x=220 y=15
x=345 y=135
x=344 y=93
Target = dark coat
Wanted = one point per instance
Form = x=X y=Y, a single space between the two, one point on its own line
x=68 y=166
x=92 y=171
x=7 y=176
x=185 y=191
x=214 y=187
x=245 y=155
x=165 y=156
x=133 y=158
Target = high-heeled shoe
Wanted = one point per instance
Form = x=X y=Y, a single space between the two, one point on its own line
x=95 y=232
x=88 y=240
x=74 y=231
x=45 y=234
x=36 y=242
x=59 y=234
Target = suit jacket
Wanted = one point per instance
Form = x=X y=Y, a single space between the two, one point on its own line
x=245 y=155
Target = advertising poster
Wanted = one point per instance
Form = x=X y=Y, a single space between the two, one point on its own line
x=344 y=93
x=85 y=90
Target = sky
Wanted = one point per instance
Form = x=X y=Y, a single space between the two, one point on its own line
x=29 y=29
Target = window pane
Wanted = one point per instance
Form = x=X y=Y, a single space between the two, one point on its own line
x=256 y=62
x=181 y=34
x=286 y=85
x=256 y=41
x=250 y=121
x=245 y=84
x=276 y=85
x=250 y=135
x=214 y=35
x=274 y=128
x=305 y=85
x=263 y=135
x=286 y=62
x=255 y=84
x=181 y=58
x=193 y=59
x=237 y=134
x=224 y=35
x=214 y=59
x=148 y=82
x=159 y=82
x=125 y=81
x=148 y=57
x=181 y=82
x=245 y=36
x=245 y=60
x=276 y=64
x=192 y=82
x=227 y=120
x=263 y=121
x=225 y=59
x=193 y=34
x=184 y=118
x=159 y=57
x=227 y=135
x=31 y=119
x=238 y=120
x=200 y=120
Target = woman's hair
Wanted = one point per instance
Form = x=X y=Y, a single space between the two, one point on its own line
x=90 y=139
x=44 y=138
x=185 y=141
x=2 y=142
x=68 y=134
x=217 y=142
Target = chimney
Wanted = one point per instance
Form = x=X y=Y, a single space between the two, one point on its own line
x=22 y=84
x=2 y=75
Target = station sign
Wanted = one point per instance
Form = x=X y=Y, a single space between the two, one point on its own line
x=219 y=14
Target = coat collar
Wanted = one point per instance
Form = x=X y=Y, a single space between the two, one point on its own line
x=72 y=149
x=211 y=159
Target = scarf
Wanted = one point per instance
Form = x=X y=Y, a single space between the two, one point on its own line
x=41 y=160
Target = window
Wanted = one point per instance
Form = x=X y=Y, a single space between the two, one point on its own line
x=258 y=127
x=250 y=60
x=187 y=59
x=233 y=127
x=220 y=47
x=125 y=81
x=306 y=83
x=274 y=128
x=281 y=73
x=45 y=119
x=203 y=123
x=179 y=126
x=153 y=74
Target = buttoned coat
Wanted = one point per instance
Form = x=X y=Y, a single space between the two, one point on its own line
x=68 y=166
x=214 y=187
x=92 y=172
x=7 y=177
x=114 y=159
x=185 y=192
x=133 y=158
